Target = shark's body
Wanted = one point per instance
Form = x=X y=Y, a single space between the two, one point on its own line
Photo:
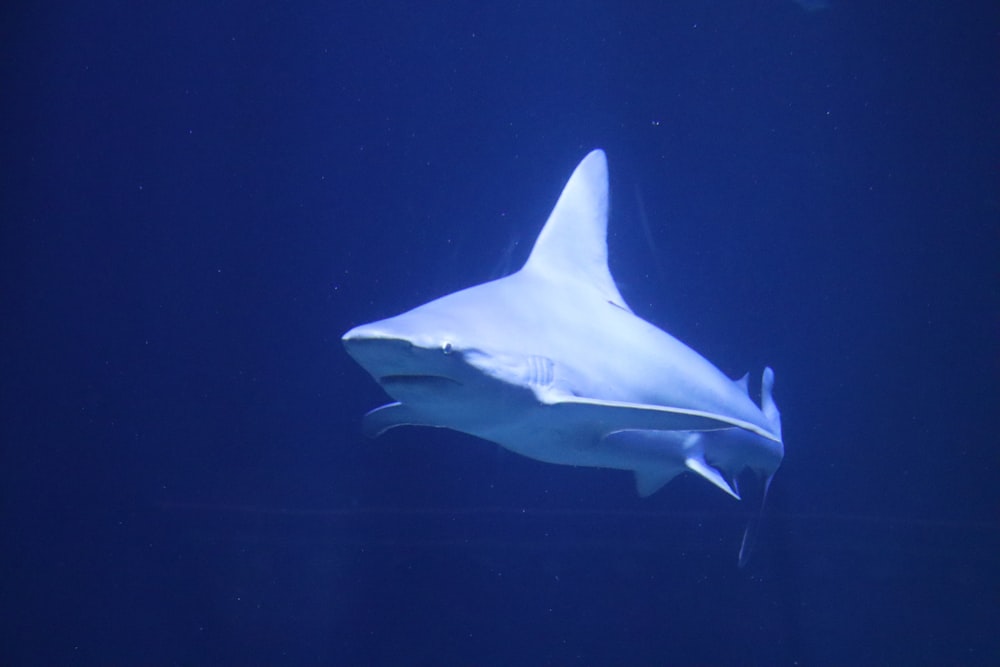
x=551 y=363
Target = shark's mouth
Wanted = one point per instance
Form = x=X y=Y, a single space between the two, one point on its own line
x=413 y=380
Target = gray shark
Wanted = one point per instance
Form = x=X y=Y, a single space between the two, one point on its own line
x=550 y=362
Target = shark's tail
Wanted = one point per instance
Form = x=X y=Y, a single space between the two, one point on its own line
x=754 y=491
x=767 y=404
x=755 y=487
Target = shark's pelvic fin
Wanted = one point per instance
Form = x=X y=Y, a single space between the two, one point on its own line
x=697 y=464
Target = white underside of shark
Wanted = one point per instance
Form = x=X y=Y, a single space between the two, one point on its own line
x=551 y=363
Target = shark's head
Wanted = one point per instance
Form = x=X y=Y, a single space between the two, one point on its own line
x=425 y=354
x=412 y=365
x=452 y=357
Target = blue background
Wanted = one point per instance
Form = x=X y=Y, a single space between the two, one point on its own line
x=200 y=198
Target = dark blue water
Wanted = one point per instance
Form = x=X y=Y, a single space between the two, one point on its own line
x=199 y=199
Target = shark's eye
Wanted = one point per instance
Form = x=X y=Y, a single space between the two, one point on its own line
x=446 y=347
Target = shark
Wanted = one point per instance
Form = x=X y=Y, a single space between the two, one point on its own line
x=550 y=362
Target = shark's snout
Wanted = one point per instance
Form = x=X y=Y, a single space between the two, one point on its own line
x=367 y=332
x=375 y=351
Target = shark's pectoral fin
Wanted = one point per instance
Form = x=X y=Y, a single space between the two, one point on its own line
x=619 y=416
x=388 y=416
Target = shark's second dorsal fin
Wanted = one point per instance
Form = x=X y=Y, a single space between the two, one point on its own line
x=573 y=245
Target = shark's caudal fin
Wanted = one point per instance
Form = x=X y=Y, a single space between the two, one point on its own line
x=573 y=247
x=767 y=404
x=759 y=485
x=755 y=490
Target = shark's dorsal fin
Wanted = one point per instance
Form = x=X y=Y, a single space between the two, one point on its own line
x=573 y=245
